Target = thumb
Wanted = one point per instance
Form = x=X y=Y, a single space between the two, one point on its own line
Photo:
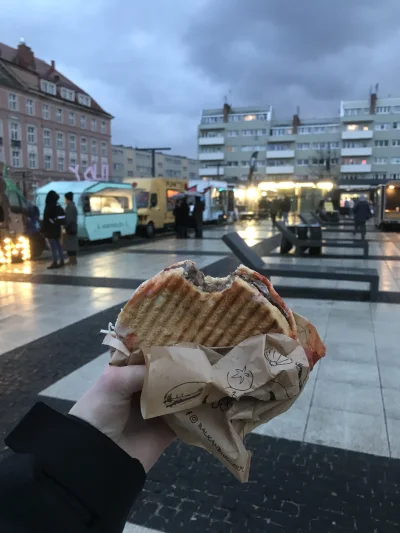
x=124 y=380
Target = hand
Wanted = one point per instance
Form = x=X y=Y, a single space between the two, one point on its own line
x=112 y=405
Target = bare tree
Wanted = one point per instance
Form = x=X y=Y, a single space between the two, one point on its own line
x=325 y=165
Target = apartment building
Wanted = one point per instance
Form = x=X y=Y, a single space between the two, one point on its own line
x=360 y=146
x=48 y=124
x=131 y=162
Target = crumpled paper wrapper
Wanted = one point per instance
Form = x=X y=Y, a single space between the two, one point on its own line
x=213 y=397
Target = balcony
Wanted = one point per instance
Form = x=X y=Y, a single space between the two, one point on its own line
x=283 y=169
x=361 y=151
x=211 y=141
x=212 y=156
x=357 y=134
x=355 y=169
x=358 y=118
x=211 y=171
x=280 y=154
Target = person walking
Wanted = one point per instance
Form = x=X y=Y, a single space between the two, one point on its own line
x=362 y=213
x=285 y=208
x=198 y=218
x=70 y=240
x=53 y=219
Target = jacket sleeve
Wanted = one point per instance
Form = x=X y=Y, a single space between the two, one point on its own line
x=65 y=476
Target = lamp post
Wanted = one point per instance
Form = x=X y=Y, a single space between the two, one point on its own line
x=153 y=157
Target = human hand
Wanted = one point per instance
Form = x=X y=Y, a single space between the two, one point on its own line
x=112 y=405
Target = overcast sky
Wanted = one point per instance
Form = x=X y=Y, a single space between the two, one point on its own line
x=154 y=64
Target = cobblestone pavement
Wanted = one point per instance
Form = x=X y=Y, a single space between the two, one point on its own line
x=330 y=464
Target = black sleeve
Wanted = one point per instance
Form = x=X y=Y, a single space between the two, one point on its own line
x=66 y=476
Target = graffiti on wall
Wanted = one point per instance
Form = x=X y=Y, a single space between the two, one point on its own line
x=90 y=173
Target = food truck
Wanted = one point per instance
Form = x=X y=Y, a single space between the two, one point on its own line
x=18 y=231
x=218 y=198
x=155 y=203
x=387 y=205
x=106 y=210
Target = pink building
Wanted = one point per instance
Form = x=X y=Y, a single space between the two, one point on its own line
x=47 y=123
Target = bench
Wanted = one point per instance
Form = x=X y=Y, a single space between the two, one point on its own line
x=252 y=260
x=300 y=244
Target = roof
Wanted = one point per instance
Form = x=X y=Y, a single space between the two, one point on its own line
x=45 y=71
x=78 y=187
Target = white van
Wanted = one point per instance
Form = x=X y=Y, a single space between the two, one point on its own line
x=106 y=210
x=219 y=202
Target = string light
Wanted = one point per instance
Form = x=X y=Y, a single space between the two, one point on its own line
x=13 y=250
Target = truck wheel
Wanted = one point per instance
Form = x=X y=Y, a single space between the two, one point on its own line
x=115 y=236
x=150 y=230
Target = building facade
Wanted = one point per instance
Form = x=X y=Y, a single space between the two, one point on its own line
x=361 y=146
x=48 y=125
x=130 y=162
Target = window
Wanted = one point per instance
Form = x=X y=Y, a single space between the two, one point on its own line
x=60 y=164
x=396 y=109
x=93 y=124
x=334 y=144
x=381 y=126
x=232 y=148
x=32 y=160
x=395 y=161
x=83 y=121
x=16 y=161
x=249 y=117
x=395 y=125
x=356 y=111
x=104 y=149
x=84 y=99
x=29 y=106
x=31 y=134
x=67 y=94
x=380 y=160
x=103 y=126
x=248 y=133
x=71 y=118
x=302 y=162
x=94 y=148
x=84 y=145
x=59 y=114
x=232 y=133
x=277 y=132
x=130 y=173
x=47 y=162
x=354 y=161
x=382 y=109
x=72 y=161
x=72 y=143
x=48 y=87
x=47 y=138
x=14 y=130
x=304 y=130
x=396 y=142
x=84 y=164
x=60 y=141
x=232 y=163
x=381 y=143
x=303 y=146
x=130 y=161
x=12 y=102
x=46 y=112
x=319 y=146
x=394 y=176
x=380 y=175
x=214 y=120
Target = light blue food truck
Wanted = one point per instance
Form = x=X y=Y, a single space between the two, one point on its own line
x=106 y=210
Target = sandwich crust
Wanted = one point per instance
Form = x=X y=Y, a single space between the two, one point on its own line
x=181 y=304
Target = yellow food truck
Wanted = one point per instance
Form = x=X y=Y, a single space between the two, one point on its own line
x=154 y=202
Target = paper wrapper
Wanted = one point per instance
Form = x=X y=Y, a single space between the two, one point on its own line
x=213 y=397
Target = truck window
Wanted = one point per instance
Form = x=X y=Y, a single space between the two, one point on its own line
x=170 y=201
x=153 y=199
x=142 y=199
x=106 y=205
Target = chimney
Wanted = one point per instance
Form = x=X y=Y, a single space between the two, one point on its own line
x=25 y=57
x=296 y=123
x=53 y=65
x=227 y=109
x=372 y=103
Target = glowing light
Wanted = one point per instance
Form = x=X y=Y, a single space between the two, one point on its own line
x=325 y=185
x=263 y=193
x=252 y=193
x=240 y=194
x=285 y=185
x=391 y=187
x=11 y=250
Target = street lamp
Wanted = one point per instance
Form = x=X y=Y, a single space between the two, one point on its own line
x=153 y=157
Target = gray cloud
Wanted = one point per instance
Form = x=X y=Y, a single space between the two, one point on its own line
x=154 y=64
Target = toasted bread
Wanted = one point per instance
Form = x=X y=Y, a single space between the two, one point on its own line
x=181 y=304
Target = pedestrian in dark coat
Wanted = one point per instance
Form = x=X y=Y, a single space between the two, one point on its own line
x=285 y=208
x=70 y=241
x=198 y=211
x=274 y=209
x=185 y=211
x=362 y=213
x=53 y=220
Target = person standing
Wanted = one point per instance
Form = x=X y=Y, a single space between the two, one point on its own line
x=198 y=218
x=53 y=219
x=285 y=208
x=362 y=213
x=70 y=240
x=274 y=209
x=185 y=211
x=178 y=219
